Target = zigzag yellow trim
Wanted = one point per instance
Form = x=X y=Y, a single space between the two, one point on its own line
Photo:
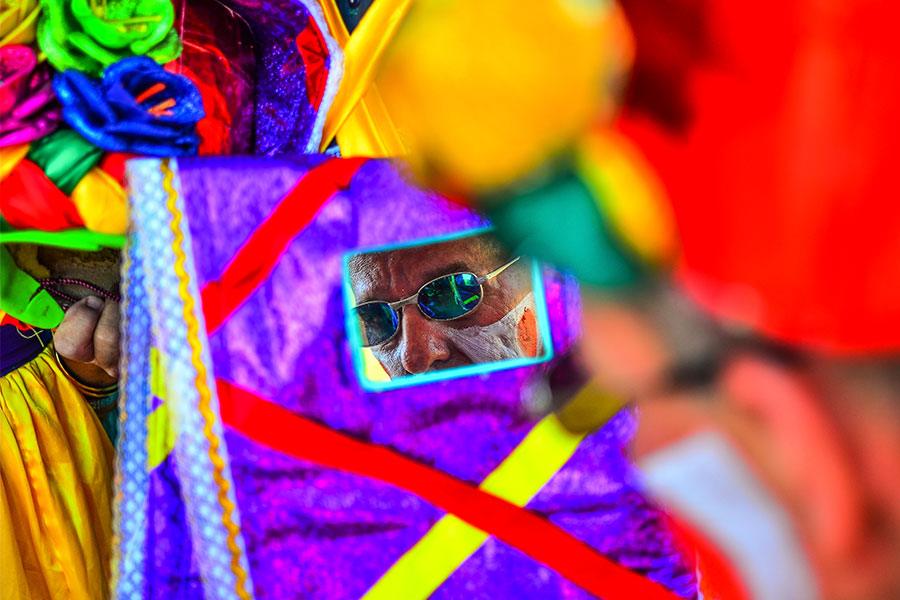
x=203 y=390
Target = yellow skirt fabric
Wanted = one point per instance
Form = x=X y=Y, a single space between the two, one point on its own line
x=56 y=471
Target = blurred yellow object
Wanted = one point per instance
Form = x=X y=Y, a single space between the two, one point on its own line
x=10 y=156
x=629 y=193
x=18 y=20
x=483 y=93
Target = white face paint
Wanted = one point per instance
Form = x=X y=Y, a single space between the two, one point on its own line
x=704 y=481
x=494 y=342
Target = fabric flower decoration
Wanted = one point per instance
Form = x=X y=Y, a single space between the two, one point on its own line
x=28 y=109
x=18 y=19
x=89 y=35
x=137 y=107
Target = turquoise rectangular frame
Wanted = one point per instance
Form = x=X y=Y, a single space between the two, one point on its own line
x=455 y=372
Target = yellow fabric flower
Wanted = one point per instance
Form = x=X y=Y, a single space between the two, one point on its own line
x=18 y=21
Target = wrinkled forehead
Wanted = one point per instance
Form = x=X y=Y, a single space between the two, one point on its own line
x=398 y=273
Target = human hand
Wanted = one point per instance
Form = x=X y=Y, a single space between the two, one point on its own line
x=87 y=341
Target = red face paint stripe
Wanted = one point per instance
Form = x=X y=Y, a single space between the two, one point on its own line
x=287 y=432
x=257 y=257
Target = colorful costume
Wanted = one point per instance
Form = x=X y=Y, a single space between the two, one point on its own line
x=343 y=492
x=251 y=462
x=64 y=137
x=56 y=497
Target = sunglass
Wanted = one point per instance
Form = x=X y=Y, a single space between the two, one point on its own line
x=444 y=298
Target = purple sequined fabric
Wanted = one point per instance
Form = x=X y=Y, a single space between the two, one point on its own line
x=313 y=532
x=285 y=121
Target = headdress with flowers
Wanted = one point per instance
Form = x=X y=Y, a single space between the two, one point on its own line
x=68 y=123
x=90 y=35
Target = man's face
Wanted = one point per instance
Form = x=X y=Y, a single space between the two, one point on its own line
x=422 y=344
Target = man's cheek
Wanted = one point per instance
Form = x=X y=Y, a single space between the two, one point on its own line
x=486 y=344
x=390 y=360
x=527 y=333
x=491 y=310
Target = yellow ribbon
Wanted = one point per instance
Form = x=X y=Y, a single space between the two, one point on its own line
x=518 y=479
x=161 y=430
x=101 y=202
x=10 y=156
x=358 y=117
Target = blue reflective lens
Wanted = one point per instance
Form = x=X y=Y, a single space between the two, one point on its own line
x=450 y=297
x=378 y=322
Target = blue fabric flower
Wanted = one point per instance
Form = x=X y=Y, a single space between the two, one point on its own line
x=137 y=107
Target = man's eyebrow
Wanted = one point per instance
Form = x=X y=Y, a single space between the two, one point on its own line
x=454 y=267
x=370 y=295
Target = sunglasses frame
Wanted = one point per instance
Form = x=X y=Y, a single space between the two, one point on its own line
x=397 y=306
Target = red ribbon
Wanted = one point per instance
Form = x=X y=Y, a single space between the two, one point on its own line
x=257 y=257
x=284 y=431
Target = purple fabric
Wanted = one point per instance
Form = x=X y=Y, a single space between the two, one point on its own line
x=20 y=347
x=285 y=120
x=317 y=533
x=170 y=571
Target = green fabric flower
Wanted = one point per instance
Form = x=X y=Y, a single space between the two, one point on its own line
x=89 y=35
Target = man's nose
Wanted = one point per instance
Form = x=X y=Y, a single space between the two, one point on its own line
x=422 y=341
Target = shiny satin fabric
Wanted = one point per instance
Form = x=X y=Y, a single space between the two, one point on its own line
x=358 y=117
x=56 y=488
x=18 y=21
x=269 y=524
x=28 y=109
x=287 y=119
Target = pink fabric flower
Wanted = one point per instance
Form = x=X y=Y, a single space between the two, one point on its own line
x=28 y=107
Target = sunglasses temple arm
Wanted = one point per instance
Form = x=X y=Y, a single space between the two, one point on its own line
x=498 y=270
